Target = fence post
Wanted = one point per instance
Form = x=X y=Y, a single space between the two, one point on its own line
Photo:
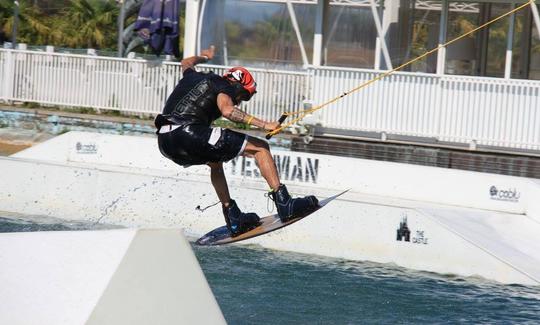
x=308 y=102
x=440 y=108
x=9 y=76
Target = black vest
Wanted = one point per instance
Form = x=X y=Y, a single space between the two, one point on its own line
x=194 y=100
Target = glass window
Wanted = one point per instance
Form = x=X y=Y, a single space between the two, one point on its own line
x=261 y=34
x=351 y=37
x=497 y=41
x=422 y=25
x=520 y=45
x=463 y=56
x=256 y=32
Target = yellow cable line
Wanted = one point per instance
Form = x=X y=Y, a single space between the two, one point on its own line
x=383 y=75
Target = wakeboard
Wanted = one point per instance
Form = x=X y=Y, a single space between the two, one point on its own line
x=222 y=235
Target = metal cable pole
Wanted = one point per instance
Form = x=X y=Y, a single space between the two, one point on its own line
x=121 y=18
x=536 y=16
x=296 y=28
x=381 y=35
x=15 y=24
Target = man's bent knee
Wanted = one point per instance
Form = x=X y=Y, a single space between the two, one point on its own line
x=258 y=143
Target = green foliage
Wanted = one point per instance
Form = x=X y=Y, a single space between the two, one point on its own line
x=33 y=27
x=90 y=23
x=68 y=23
x=79 y=24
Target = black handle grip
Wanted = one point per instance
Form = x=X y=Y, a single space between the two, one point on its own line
x=281 y=120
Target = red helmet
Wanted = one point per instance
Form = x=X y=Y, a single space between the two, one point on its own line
x=243 y=77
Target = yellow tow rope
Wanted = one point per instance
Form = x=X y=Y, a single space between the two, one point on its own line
x=303 y=113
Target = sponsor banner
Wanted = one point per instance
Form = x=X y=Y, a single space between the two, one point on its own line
x=86 y=148
x=504 y=194
x=404 y=233
x=291 y=168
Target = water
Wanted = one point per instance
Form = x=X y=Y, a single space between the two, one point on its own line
x=259 y=286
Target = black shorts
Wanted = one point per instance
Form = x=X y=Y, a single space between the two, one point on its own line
x=199 y=144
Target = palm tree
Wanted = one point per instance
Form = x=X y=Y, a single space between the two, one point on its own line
x=90 y=23
x=33 y=26
x=4 y=15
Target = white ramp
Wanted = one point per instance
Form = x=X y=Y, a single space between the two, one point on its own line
x=103 y=277
x=511 y=239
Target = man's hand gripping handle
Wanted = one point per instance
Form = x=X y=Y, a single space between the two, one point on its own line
x=281 y=120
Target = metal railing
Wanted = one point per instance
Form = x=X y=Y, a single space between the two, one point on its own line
x=129 y=85
x=467 y=110
x=471 y=110
x=87 y=81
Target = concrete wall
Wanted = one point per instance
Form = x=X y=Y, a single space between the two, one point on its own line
x=312 y=172
x=430 y=153
x=103 y=277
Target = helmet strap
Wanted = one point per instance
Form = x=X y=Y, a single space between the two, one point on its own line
x=241 y=94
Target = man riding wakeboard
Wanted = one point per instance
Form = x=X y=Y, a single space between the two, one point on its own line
x=186 y=136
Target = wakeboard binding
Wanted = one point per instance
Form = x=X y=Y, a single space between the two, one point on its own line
x=237 y=221
x=288 y=208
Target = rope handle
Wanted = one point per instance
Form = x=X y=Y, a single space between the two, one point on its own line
x=281 y=120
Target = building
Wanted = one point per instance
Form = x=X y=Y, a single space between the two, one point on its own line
x=345 y=33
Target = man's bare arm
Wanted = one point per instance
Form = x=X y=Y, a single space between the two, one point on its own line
x=233 y=113
x=192 y=61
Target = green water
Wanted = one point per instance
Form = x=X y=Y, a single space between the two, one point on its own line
x=259 y=286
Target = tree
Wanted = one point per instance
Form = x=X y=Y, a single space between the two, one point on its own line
x=33 y=27
x=90 y=23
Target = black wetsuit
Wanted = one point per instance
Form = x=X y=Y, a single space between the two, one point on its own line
x=184 y=132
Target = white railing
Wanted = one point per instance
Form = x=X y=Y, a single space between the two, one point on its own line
x=124 y=84
x=469 y=110
x=495 y=112
x=5 y=75
x=472 y=110
x=87 y=81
